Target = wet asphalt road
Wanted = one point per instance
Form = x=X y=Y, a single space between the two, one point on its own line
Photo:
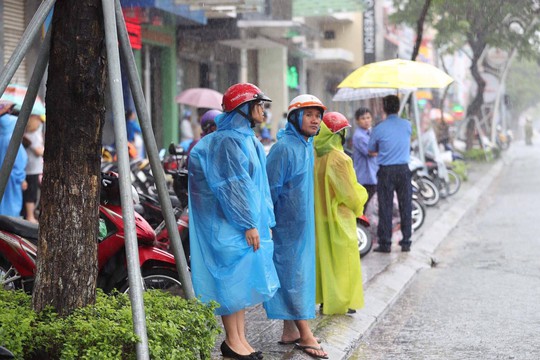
x=482 y=298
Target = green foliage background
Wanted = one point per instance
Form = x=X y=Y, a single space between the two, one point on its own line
x=177 y=328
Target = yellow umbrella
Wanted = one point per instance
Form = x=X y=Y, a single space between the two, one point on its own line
x=397 y=74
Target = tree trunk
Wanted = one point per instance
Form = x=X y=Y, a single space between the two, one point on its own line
x=474 y=109
x=67 y=251
x=420 y=29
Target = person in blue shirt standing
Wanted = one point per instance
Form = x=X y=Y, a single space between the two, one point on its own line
x=391 y=142
x=365 y=165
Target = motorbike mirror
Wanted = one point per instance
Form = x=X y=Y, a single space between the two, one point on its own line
x=172 y=149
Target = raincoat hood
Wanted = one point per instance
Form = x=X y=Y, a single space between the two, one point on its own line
x=290 y=129
x=234 y=121
x=327 y=141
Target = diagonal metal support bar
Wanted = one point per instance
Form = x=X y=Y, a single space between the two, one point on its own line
x=120 y=133
x=153 y=156
x=24 y=44
x=26 y=109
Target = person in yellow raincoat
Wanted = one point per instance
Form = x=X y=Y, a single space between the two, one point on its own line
x=339 y=200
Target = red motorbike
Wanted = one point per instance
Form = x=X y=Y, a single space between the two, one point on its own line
x=152 y=212
x=19 y=238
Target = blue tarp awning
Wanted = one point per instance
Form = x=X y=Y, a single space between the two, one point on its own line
x=170 y=7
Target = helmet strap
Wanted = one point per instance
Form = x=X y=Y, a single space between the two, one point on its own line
x=248 y=117
x=343 y=135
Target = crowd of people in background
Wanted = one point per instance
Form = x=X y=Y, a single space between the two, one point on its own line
x=21 y=194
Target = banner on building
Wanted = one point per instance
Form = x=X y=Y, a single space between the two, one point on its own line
x=369 y=32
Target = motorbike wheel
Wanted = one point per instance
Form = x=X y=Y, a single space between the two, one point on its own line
x=159 y=278
x=364 y=239
x=9 y=276
x=428 y=191
x=454 y=182
x=418 y=214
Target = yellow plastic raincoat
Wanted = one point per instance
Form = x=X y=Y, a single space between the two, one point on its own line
x=339 y=200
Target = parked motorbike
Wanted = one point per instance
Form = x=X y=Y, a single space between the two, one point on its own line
x=418 y=212
x=173 y=166
x=364 y=236
x=19 y=238
x=447 y=186
x=425 y=188
x=365 y=240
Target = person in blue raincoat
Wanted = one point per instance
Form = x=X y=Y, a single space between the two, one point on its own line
x=230 y=215
x=290 y=173
x=12 y=201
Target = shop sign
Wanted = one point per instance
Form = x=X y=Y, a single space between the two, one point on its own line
x=369 y=32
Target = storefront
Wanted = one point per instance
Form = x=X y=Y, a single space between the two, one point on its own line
x=12 y=28
x=152 y=28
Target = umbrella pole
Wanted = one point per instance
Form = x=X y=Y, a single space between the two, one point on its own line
x=26 y=109
x=153 y=156
x=418 y=127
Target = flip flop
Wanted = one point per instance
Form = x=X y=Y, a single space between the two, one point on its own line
x=305 y=349
x=292 y=342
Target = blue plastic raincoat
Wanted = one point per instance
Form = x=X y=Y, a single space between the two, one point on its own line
x=229 y=194
x=339 y=200
x=290 y=173
x=12 y=201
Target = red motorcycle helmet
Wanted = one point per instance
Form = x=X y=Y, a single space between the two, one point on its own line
x=335 y=121
x=242 y=93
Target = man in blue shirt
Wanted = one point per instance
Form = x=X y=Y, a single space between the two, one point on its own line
x=391 y=142
x=365 y=165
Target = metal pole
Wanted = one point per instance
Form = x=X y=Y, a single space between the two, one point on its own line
x=500 y=89
x=146 y=71
x=132 y=253
x=153 y=156
x=418 y=128
x=24 y=44
x=26 y=109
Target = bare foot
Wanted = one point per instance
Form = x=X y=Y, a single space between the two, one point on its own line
x=289 y=338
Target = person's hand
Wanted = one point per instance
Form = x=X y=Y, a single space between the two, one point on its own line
x=24 y=185
x=252 y=237
x=26 y=142
x=373 y=153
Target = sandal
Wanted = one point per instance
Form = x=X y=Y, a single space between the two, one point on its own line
x=306 y=348
x=295 y=341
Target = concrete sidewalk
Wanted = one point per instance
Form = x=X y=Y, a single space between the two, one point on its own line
x=385 y=277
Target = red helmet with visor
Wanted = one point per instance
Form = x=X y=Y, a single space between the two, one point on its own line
x=242 y=93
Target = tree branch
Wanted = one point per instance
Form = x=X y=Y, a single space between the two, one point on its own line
x=420 y=29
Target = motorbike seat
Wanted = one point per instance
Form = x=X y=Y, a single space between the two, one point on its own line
x=21 y=227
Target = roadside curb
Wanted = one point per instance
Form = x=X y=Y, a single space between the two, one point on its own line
x=341 y=334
